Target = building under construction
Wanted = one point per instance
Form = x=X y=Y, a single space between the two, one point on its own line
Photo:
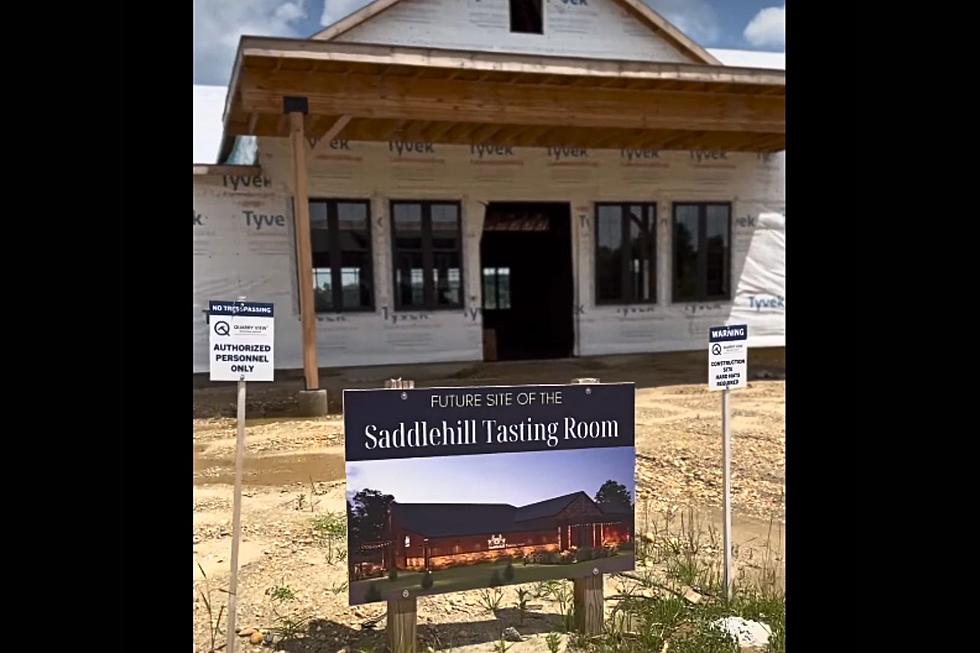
x=455 y=180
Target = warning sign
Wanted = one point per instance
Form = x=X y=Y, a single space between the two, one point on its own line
x=727 y=357
x=241 y=341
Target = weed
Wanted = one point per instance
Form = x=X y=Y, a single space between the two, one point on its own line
x=490 y=599
x=214 y=624
x=330 y=531
x=553 y=640
x=523 y=595
x=313 y=493
x=288 y=623
x=561 y=593
x=655 y=610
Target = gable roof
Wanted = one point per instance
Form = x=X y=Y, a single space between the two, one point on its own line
x=446 y=519
x=548 y=508
x=460 y=519
x=638 y=8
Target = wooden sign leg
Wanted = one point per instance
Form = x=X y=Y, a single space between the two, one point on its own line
x=402 y=612
x=402 y=617
x=588 y=604
x=588 y=597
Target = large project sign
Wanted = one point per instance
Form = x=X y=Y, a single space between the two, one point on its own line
x=451 y=489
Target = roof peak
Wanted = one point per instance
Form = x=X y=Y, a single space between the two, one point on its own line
x=497 y=505
x=648 y=16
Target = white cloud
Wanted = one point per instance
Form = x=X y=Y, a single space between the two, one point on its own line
x=209 y=105
x=218 y=25
x=767 y=28
x=696 y=18
x=334 y=10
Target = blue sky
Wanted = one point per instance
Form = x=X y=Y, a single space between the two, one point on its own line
x=514 y=478
x=218 y=24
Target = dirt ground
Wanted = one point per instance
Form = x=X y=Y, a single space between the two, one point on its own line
x=678 y=450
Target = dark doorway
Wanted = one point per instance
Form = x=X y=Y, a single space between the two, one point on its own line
x=526 y=268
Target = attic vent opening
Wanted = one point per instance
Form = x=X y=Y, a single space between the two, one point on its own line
x=526 y=17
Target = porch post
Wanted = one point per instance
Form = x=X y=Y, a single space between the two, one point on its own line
x=312 y=400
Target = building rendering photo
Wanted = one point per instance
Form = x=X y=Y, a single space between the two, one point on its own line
x=395 y=543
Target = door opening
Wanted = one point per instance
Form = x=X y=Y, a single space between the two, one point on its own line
x=526 y=271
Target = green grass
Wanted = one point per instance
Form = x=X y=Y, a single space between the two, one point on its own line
x=650 y=612
x=457 y=579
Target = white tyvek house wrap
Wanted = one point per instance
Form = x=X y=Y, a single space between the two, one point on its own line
x=760 y=293
x=239 y=253
x=233 y=258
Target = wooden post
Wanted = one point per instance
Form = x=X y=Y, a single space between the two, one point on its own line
x=403 y=611
x=402 y=617
x=304 y=249
x=589 y=604
x=588 y=598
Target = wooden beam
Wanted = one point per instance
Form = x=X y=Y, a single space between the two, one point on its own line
x=318 y=125
x=771 y=143
x=484 y=133
x=616 y=138
x=385 y=129
x=370 y=10
x=460 y=131
x=493 y=102
x=337 y=127
x=400 y=127
x=651 y=140
x=437 y=130
x=253 y=120
x=526 y=136
x=304 y=250
x=726 y=141
x=226 y=169
x=366 y=55
x=413 y=130
x=677 y=142
x=534 y=137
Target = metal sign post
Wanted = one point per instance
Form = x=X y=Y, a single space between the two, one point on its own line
x=236 y=520
x=727 y=364
x=727 y=489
